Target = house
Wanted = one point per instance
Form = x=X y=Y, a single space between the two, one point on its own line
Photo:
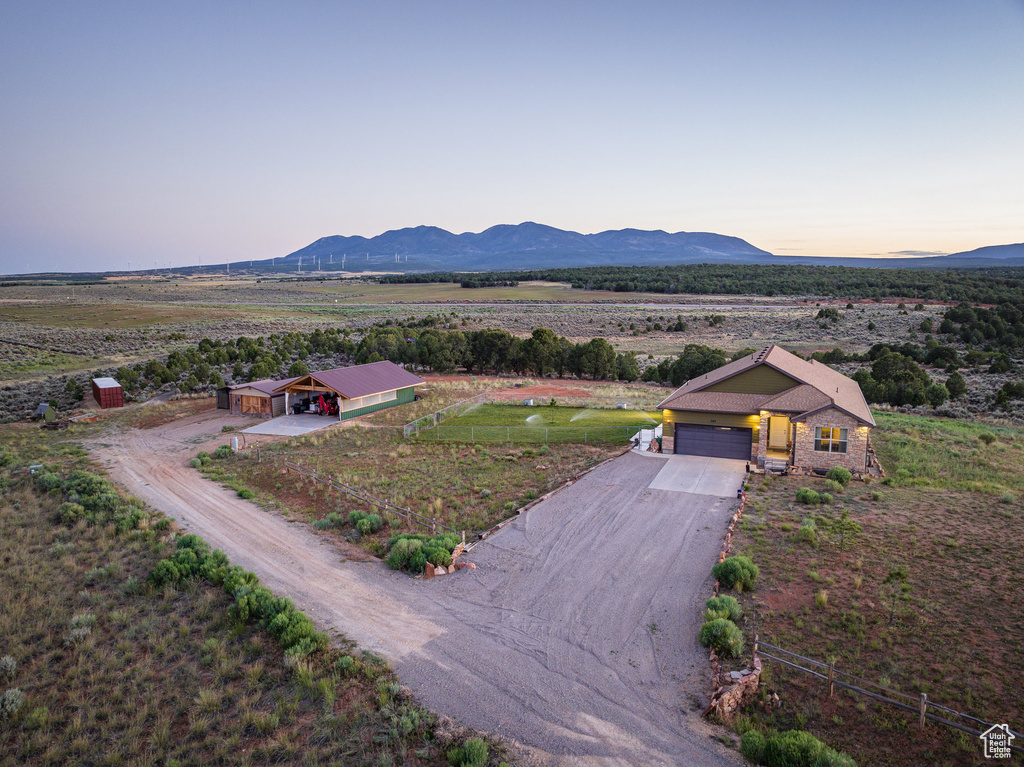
x=771 y=406
x=258 y=398
x=107 y=392
x=352 y=391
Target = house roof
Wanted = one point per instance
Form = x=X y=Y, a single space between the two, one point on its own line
x=360 y=380
x=267 y=385
x=106 y=383
x=819 y=387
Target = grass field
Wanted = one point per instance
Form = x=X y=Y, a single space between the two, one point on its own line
x=949 y=513
x=114 y=672
x=519 y=423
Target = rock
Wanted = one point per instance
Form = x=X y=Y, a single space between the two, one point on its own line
x=440 y=570
x=429 y=572
x=470 y=566
x=736 y=674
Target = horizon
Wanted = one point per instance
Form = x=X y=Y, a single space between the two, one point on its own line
x=187 y=134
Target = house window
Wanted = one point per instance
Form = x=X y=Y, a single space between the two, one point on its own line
x=830 y=439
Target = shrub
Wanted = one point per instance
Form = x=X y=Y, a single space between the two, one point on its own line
x=752 y=746
x=398 y=557
x=246 y=493
x=10 y=703
x=195 y=463
x=807 y=496
x=808 y=531
x=723 y=636
x=371 y=523
x=222 y=452
x=833 y=487
x=987 y=437
x=202 y=454
x=724 y=607
x=473 y=753
x=7 y=667
x=346 y=664
x=827 y=498
x=355 y=516
x=821 y=599
x=796 y=748
x=736 y=572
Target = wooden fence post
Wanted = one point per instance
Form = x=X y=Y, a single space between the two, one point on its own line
x=831 y=675
x=924 y=709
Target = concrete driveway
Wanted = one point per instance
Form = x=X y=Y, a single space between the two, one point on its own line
x=701 y=476
x=292 y=425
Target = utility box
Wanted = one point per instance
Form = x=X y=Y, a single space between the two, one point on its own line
x=107 y=392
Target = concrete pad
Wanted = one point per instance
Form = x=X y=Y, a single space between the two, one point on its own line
x=721 y=477
x=292 y=425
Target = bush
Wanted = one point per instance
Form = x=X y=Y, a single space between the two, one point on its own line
x=355 y=516
x=827 y=498
x=7 y=667
x=752 y=746
x=10 y=703
x=222 y=452
x=246 y=493
x=833 y=487
x=401 y=551
x=807 y=496
x=723 y=607
x=473 y=753
x=723 y=636
x=196 y=463
x=987 y=437
x=794 y=748
x=808 y=531
x=369 y=524
x=821 y=599
x=736 y=572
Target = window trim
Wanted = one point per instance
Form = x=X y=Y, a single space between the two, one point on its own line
x=837 y=441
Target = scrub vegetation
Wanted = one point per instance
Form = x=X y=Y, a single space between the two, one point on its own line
x=909 y=582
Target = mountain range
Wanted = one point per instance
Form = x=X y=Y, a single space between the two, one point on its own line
x=508 y=247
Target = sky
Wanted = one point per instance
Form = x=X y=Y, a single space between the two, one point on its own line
x=166 y=134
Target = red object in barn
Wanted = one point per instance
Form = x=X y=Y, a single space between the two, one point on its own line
x=107 y=392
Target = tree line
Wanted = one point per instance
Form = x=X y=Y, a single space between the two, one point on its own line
x=992 y=285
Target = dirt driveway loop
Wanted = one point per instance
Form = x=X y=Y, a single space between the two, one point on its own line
x=575 y=635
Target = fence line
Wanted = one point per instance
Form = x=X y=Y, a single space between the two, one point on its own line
x=431 y=420
x=917 y=705
x=381 y=503
x=542 y=434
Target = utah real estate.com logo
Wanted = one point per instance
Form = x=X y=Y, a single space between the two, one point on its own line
x=996 y=741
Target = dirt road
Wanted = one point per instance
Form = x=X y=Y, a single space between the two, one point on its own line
x=575 y=635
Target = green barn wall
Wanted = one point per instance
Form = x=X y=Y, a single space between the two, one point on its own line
x=403 y=397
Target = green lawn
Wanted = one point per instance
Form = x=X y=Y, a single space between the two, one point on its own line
x=521 y=423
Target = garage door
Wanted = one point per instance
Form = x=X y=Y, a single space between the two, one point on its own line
x=713 y=441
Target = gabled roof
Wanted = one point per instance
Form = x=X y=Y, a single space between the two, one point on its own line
x=267 y=385
x=819 y=387
x=360 y=380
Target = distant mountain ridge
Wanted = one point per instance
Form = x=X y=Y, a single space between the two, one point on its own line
x=522 y=246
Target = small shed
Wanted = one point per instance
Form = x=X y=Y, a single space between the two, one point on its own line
x=224 y=398
x=257 y=398
x=107 y=392
x=46 y=412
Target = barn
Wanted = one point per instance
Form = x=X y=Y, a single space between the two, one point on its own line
x=774 y=408
x=107 y=392
x=258 y=398
x=352 y=391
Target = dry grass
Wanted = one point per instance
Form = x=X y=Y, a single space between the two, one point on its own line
x=114 y=673
x=949 y=515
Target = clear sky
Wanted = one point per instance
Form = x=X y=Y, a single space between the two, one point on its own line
x=165 y=133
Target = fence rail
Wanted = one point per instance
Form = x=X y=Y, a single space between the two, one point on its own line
x=914 y=704
x=381 y=503
x=539 y=434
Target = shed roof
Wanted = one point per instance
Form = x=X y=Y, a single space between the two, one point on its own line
x=360 y=380
x=106 y=383
x=43 y=407
x=267 y=385
x=818 y=386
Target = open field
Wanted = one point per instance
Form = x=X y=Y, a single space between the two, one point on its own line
x=113 y=671
x=947 y=512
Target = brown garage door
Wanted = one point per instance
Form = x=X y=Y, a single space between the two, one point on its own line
x=713 y=441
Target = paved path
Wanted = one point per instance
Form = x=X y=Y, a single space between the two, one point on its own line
x=575 y=635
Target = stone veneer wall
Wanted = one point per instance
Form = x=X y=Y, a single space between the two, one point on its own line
x=856 y=456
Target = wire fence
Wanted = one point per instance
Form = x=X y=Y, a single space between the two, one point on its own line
x=915 y=704
x=381 y=503
x=534 y=434
x=431 y=420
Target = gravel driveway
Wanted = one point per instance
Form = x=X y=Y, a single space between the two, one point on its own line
x=575 y=636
